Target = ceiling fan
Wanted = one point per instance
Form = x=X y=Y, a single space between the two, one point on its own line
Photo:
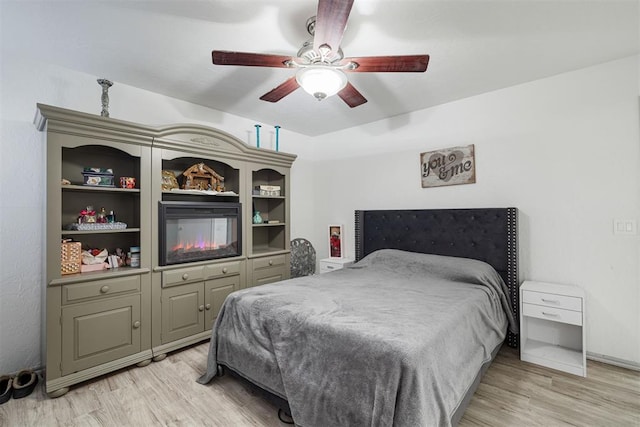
x=320 y=62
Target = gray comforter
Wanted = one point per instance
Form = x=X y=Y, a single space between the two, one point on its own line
x=397 y=339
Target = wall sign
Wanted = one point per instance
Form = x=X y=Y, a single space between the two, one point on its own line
x=449 y=166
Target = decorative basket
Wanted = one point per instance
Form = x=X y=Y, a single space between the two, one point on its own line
x=70 y=258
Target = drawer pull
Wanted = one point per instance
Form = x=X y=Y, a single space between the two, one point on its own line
x=270 y=262
x=201 y=308
x=185 y=276
x=136 y=324
x=330 y=267
x=208 y=306
x=553 y=301
x=104 y=289
x=550 y=314
x=224 y=270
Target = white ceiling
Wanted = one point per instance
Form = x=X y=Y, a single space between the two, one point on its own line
x=475 y=46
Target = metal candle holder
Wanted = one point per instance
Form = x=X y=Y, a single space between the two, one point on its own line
x=106 y=84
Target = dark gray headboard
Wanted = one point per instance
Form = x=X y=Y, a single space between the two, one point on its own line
x=489 y=235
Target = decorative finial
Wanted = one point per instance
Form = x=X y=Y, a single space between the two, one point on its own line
x=258 y=135
x=277 y=137
x=106 y=84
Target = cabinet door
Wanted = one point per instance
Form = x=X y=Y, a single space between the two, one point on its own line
x=99 y=332
x=182 y=311
x=215 y=292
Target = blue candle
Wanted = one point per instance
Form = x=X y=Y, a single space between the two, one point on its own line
x=258 y=135
x=277 y=137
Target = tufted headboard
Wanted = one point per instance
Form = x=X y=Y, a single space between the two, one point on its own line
x=488 y=235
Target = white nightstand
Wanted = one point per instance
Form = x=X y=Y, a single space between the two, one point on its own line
x=552 y=333
x=332 y=264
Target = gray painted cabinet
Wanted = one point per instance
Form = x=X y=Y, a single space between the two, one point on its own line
x=100 y=321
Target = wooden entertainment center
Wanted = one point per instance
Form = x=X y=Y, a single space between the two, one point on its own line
x=95 y=322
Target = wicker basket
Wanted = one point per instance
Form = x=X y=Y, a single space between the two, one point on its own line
x=70 y=258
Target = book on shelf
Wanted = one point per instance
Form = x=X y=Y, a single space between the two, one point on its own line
x=268 y=187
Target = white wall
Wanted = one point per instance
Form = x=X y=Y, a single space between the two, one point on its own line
x=22 y=85
x=564 y=150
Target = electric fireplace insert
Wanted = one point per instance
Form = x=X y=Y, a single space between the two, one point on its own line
x=196 y=231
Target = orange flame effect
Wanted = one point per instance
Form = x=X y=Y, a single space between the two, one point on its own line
x=197 y=245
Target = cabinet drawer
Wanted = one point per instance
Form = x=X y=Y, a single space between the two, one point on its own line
x=221 y=270
x=270 y=261
x=182 y=275
x=552 y=300
x=100 y=288
x=269 y=275
x=553 y=314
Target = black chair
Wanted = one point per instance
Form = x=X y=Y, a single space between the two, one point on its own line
x=303 y=258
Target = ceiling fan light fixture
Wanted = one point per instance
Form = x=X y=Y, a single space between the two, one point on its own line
x=321 y=81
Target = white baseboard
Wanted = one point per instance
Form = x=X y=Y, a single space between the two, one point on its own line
x=613 y=361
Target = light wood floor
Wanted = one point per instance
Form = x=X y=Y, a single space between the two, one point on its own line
x=512 y=393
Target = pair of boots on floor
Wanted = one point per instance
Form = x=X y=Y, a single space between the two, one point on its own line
x=19 y=386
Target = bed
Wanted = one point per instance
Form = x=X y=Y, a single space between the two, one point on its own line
x=400 y=338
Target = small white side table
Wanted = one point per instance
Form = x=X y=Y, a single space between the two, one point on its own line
x=332 y=264
x=552 y=332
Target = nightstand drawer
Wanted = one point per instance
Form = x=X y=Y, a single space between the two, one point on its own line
x=553 y=314
x=332 y=264
x=552 y=300
x=327 y=267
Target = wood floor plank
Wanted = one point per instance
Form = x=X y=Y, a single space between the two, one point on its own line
x=512 y=393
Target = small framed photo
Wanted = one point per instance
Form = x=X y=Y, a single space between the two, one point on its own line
x=336 y=241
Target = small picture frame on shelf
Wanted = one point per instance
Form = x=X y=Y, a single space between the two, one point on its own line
x=336 y=241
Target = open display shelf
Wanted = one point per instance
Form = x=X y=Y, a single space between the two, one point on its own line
x=123 y=202
x=269 y=237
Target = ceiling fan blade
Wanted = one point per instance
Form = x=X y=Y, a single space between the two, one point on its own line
x=351 y=96
x=331 y=20
x=389 y=64
x=276 y=94
x=224 y=57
